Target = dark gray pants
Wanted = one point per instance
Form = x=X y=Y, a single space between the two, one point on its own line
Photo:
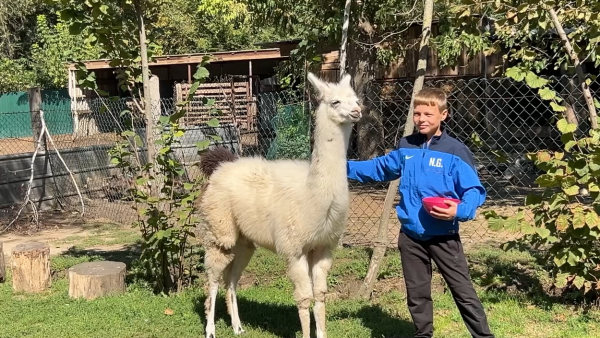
x=447 y=253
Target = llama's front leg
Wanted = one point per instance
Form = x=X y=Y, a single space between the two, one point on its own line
x=243 y=252
x=321 y=260
x=298 y=273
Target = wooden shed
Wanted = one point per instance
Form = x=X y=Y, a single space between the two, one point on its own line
x=242 y=71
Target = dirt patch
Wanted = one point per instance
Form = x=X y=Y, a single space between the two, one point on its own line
x=59 y=238
x=64 y=141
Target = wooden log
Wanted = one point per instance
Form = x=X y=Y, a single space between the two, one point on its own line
x=30 y=264
x=2 y=268
x=96 y=279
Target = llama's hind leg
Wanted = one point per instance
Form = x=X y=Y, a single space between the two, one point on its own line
x=298 y=272
x=320 y=261
x=216 y=261
x=242 y=252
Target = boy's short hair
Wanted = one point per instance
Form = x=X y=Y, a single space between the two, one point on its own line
x=431 y=97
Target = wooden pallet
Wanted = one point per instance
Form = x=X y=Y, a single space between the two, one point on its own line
x=233 y=103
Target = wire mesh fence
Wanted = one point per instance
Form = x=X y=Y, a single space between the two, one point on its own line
x=508 y=118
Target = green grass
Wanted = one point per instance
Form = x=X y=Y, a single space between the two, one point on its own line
x=267 y=308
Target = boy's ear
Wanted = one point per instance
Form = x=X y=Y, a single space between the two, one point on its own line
x=444 y=114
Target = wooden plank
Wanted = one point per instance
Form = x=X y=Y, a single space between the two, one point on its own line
x=166 y=60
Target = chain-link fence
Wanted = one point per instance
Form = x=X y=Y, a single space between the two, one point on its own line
x=508 y=118
x=499 y=119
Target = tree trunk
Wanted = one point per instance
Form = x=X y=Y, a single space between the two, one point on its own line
x=31 y=267
x=96 y=279
x=382 y=234
x=589 y=100
x=150 y=123
x=344 y=45
x=2 y=267
x=361 y=64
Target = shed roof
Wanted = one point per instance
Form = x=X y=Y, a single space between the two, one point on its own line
x=182 y=59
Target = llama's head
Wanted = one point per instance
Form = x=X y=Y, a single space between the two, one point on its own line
x=337 y=100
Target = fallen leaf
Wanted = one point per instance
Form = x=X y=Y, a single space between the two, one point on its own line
x=169 y=312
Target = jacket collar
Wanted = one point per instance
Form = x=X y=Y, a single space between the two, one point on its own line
x=434 y=139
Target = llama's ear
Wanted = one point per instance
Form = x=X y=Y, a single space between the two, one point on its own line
x=319 y=85
x=345 y=81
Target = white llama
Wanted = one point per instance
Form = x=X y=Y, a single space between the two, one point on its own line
x=297 y=209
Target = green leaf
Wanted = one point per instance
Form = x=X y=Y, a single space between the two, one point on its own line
x=597 y=103
x=192 y=91
x=560 y=261
x=535 y=81
x=566 y=127
x=476 y=140
x=547 y=93
x=578 y=218
x=592 y=219
x=558 y=108
x=572 y=259
x=496 y=224
x=569 y=145
x=214 y=122
x=515 y=73
x=562 y=222
x=543 y=232
x=201 y=73
x=202 y=145
x=572 y=190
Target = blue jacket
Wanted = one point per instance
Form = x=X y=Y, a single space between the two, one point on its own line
x=444 y=168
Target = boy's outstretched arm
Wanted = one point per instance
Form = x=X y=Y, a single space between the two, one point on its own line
x=468 y=186
x=380 y=169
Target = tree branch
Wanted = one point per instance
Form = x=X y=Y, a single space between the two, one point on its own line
x=578 y=69
x=44 y=132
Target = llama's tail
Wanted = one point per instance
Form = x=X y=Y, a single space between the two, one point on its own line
x=210 y=161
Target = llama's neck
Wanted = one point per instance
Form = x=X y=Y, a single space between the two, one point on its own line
x=327 y=175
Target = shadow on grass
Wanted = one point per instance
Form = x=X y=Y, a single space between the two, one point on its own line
x=128 y=254
x=283 y=320
x=524 y=278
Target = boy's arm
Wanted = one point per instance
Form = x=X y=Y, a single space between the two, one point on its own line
x=380 y=169
x=468 y=187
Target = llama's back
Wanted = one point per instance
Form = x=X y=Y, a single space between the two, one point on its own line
x=248 y=192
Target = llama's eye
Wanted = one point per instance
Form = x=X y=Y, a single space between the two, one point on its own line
x=335 y=103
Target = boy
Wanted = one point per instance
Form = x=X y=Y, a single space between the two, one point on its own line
x=431 y=163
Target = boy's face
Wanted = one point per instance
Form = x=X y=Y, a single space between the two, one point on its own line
x=428 y=118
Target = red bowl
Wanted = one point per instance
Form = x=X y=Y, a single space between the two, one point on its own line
x=429 y=202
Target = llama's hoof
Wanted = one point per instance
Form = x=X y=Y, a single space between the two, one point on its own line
x=210 y=331
x=238 y=330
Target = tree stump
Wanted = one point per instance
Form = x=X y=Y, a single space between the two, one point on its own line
x=2 y=268
x=95 y=279
x=31 y=267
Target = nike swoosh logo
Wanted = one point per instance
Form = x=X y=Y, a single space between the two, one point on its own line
x=408 y=157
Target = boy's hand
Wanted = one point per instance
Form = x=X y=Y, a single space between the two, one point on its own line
x=444 y=214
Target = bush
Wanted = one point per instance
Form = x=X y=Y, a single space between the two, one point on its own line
x=566 y=226
x=292 y=130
